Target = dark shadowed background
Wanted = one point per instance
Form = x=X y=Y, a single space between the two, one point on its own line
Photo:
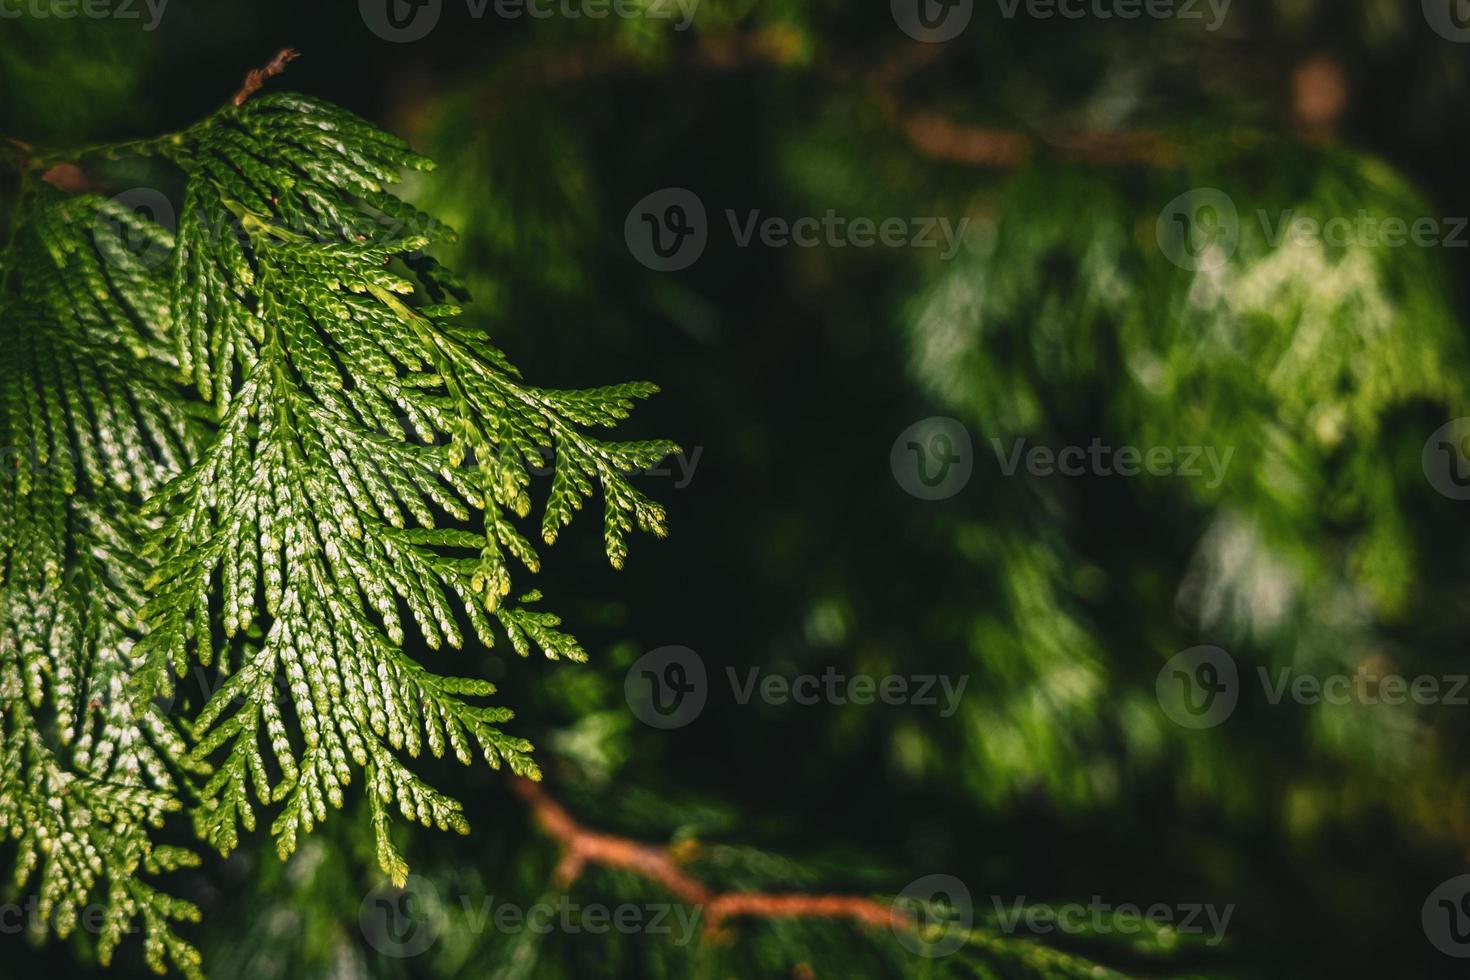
x=802 y=542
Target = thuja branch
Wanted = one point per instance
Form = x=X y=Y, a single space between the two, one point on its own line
x=581 y=846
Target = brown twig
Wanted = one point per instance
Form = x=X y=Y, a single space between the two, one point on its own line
x=940 y=138
x=67 y=177
x=581 y=846
x=929 y=133
x=257 y=77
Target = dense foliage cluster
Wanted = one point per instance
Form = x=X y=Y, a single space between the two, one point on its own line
x=349 y=468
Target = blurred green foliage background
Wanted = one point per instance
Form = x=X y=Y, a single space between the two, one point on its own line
x=794 y=548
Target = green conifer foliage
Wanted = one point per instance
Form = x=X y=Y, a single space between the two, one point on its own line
x=346 y=479
x=1300 y=358
x=358 y=439
x=93 y=424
